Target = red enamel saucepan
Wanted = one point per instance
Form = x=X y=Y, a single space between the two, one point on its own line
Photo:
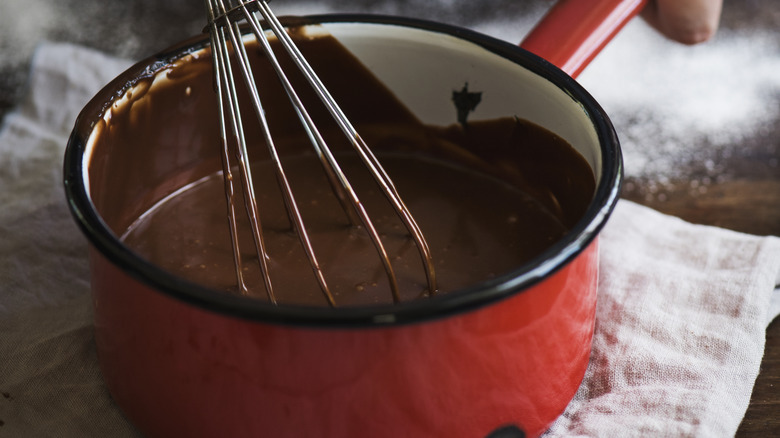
x=501 y=358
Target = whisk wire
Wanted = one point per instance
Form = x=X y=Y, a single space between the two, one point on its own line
x=329 y=162
x=226 y=95
x=242 y=61
x=365 y=153
x=225 y=16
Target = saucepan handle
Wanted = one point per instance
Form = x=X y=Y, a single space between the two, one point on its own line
x=573 y=32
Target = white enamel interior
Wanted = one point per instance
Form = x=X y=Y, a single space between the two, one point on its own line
x=423 y=68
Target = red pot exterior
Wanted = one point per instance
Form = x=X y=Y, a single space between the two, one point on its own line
x=508 y=355
x=573 y=32
x=178 y=370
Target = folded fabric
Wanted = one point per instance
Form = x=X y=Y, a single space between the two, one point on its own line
x=680 y=327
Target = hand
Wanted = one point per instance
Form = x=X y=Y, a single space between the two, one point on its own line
x=685 y=21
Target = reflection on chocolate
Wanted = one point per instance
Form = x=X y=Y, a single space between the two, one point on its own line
x=488 y=196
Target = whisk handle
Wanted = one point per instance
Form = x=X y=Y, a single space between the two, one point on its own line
x=573 y=32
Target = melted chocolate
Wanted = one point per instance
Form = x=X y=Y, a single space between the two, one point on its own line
x=488 y=196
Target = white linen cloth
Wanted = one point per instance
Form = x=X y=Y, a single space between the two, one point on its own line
x=680 y=329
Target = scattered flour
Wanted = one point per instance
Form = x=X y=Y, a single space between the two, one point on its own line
x=23 y=23
x=673 y=104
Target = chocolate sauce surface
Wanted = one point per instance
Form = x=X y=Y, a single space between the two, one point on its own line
x=489 y=195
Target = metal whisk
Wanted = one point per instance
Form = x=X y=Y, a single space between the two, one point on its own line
x=225 y=18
